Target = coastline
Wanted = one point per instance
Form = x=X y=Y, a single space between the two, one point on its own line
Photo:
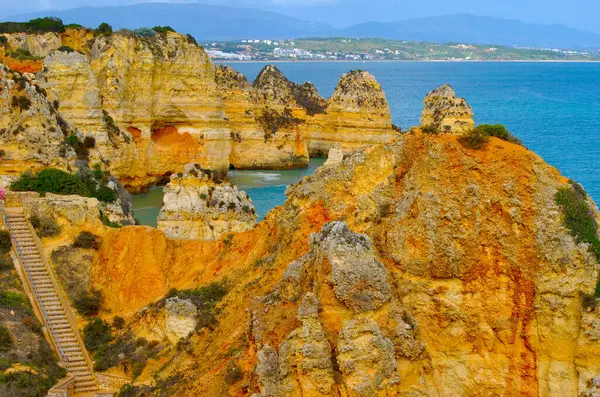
x=408 y=60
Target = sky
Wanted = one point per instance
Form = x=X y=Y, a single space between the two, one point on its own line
x=580 y=14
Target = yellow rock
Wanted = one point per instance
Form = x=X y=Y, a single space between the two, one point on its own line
x=484 y=280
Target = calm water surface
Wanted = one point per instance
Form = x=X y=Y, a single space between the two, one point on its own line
x=554 y=108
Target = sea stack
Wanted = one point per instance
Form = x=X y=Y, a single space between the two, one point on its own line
x=446 y=113
x=198 y=204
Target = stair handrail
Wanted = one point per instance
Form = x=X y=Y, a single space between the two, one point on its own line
x=59 y=294
x=66 y=305
x=34 y=290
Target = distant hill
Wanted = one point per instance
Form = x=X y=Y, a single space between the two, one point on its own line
x=478 y=30
x=222 y=23
x=204 y=22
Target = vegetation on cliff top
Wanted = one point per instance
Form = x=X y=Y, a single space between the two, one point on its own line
x=52 y=180
x=579 y=219
x=479 y=136
x=103 y=29
x=38 y=25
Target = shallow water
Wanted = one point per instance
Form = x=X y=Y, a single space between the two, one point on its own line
x=147 y=206
x=554 y=108
x=265 y=188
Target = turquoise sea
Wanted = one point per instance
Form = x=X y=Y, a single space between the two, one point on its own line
x=554 y=108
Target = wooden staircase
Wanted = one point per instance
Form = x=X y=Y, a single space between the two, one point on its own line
x=52 y=306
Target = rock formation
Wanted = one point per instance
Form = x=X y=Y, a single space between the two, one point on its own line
x=446 y=113
x=450 y=264
x=192 y=111
x=199 y=205
x=181 y=318
x=265 y=120
x=356 y=115
x=335 y=156
x=32 y=133
x=412 y=267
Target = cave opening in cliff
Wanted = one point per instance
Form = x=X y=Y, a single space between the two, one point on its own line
x=169 y=136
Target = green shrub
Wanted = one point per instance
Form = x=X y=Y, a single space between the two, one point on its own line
x=498 y=131
x=163 y=29
x=190 y=39
x=80 y=149
x=205 y=299
x=429 y=129
x=52 y=180
x=89 y=142
x=24 y=383
x=6 y=342
x=23 y=55
x=97 y=335
x=26 y=182
x=104 y=29
x=39 y=25
x=88 y=240
x=474 y=139
x=65 y=48
x=5 y=243
x=21 y=102
x=233 y=374
x=32 y=324
x=2 y=153
x=5 y=263
x=144 y=32
x=118 y=322
x=44 y=226
x=14 y=301
x=128 y=390
x=88 y=303
x=579 y=219
x=105 y=194
x=97 y=172
x=107 y=222
x=126 y=349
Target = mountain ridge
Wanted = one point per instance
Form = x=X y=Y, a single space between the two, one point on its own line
x=224 y=23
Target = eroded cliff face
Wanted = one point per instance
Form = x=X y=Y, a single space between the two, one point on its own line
x=450 y=274
x=198 y=204
x=280 y=124
x=32 y=133
x=155 y=104
x=446 y=113
x=265 y=120
x=356 y=115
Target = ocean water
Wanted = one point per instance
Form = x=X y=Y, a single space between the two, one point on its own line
x=554 y=108
x=267 y=188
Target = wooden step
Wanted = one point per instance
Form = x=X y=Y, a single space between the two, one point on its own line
x=62 y=331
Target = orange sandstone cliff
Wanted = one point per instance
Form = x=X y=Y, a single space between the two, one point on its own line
x=154 y=104
x=412 y=267
x=418 y=267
